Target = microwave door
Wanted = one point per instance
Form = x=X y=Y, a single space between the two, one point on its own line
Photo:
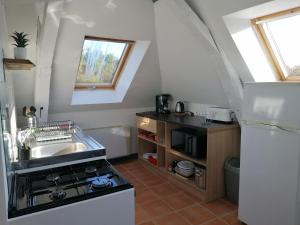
x=189 y=144
x=195 y=147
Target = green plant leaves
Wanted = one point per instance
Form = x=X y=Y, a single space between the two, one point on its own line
x=20 y=39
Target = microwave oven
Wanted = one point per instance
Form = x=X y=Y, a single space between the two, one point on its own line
x=192 y=142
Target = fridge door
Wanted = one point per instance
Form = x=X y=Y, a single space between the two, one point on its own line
x=269 y=176
x=272 y=103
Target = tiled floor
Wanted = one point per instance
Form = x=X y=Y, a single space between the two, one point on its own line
x=160 y=202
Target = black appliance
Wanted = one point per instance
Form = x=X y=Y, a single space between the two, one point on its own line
x=179 y=108
x=162 y=105
x=41 y=190
x=192 y=142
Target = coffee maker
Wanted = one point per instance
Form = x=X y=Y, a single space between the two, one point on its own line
x=162 y=105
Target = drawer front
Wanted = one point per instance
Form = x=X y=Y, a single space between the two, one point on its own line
x=147 y=124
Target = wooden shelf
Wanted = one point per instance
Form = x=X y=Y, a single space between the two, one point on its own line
x=186 y=157
x=174 y=176
x=150 y=140
x=189 y=181
x=147 y=139
x=222 y=142
x=18 y=64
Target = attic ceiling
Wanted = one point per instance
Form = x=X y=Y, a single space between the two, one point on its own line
x=96 y=19
x=38 y=1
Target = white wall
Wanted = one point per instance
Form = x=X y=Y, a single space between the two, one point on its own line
x=104 y=119
x=130 y=19
x=244 y=35
x=188 y=69
x=3 y=184
x=22 y=18
x=212 y=11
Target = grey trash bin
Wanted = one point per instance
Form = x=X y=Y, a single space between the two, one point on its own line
x=232 y=178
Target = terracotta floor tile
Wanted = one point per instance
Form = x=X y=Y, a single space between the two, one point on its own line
x=232 y=218
x=137 y=184
x=120 y=168
x=153 y=181
x=148 y=177
x=141 y=172
x=215 y=222
x=178 y=200
x=193 y=196
x=219 y=207
x=229 y=203
x=132 y=165
x=164 y=189
x=156 y=208
x=160 y=202
x=147 y=223
x=127 y=175
x=171 y=219
x=196 y=214
x=145 y=195
x=140 y=215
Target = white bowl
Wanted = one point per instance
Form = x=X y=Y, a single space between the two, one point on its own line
x=186 y=165
x=185 y=173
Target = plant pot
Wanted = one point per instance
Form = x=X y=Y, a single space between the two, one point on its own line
x=20 y=53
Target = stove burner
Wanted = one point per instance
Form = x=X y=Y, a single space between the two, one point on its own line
x=101 y=182
x=53 y=177
x=57 y=194
x=91 y=169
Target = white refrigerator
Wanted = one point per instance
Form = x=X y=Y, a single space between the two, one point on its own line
x=270 y=154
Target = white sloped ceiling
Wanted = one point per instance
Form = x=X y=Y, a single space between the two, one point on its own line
x=131 y=20
x=187 y=58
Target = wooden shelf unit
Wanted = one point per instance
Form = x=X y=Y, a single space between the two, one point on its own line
x=201 y=162
x=18 y=64
x=222 y=142
x=147 y=145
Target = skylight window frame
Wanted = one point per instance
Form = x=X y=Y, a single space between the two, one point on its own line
x=119 y=70
x=258 y=25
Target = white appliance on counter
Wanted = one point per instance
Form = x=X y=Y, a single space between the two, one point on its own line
x=270 y=154
x=220 y=114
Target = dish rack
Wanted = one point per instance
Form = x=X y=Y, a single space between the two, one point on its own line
x=54 y=131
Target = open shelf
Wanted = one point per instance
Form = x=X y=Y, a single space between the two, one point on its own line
x=18 y=64
x=221 y=142
x=147 y=139
x=186 y=157
x=189 y=181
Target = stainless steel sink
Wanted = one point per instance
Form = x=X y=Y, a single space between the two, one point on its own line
x=57 y=149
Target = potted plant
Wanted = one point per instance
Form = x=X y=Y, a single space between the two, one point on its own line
x=20 y=42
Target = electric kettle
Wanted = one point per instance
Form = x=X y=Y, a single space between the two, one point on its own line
x=179 y=107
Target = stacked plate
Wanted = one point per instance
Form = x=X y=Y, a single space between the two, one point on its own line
x=185 y=168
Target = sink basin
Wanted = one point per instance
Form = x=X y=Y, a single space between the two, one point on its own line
x=56 y=149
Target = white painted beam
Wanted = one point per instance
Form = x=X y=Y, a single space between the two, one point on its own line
x=46 y=48
x=227 y=74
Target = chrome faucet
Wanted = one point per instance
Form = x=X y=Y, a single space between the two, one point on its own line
x=29 y=113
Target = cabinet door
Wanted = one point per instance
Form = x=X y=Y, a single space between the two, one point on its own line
x=269 y=176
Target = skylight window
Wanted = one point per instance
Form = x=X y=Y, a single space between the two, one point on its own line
x=280 y=36
x=101 y=62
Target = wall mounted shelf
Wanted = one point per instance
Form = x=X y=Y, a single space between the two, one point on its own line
x=18 y=64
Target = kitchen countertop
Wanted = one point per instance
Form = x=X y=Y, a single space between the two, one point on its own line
x=187 y=120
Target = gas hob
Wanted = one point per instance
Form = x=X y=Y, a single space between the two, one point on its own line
x=42 y=190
